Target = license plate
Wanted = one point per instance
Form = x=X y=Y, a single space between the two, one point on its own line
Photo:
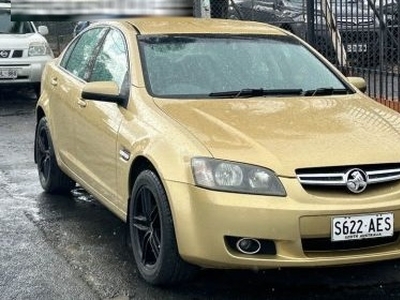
x=357 y=227
x=357 y=48
x=8 y=73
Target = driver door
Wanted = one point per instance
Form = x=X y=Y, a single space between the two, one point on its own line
x=97 y=122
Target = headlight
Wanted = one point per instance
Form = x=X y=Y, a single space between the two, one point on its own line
x=235 y=177
x=38 y=49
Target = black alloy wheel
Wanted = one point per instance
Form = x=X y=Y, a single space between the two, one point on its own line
x=146 y=221
x=152 y=234
x=52 y=179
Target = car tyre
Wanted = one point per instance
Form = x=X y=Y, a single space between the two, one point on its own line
x=52 y=178
x=152 y=234
x=36 y=90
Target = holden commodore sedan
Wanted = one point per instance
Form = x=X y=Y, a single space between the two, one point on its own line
x=222 y=144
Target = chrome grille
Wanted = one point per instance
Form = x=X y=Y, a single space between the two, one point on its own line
x=339 y=176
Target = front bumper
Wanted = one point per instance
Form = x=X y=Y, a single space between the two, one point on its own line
x=291 y=228
x=29 y=70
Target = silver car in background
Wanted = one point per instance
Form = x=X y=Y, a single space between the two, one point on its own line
x=23 y=51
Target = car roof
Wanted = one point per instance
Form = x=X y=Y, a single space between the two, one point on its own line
x=184 y=25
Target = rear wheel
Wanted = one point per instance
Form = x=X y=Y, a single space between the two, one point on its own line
x=152 y=234
x=52 y=179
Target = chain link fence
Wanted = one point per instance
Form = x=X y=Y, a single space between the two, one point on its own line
x=60 y=34
x=361 y=37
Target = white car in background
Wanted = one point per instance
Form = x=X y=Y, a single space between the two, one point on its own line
x=23 y=51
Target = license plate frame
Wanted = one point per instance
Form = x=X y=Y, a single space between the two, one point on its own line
x=358 y=227
x=7 y=73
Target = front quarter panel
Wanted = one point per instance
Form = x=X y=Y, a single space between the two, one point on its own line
x=146 y=132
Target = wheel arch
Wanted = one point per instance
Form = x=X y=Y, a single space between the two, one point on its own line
x=173 y=269
x=138 y=165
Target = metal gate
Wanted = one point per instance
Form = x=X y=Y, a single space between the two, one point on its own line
x=361 y=37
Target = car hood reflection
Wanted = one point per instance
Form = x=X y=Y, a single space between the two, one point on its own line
x=288 y=133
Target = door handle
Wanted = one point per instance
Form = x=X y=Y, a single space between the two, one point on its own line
x=82 y=103
x=54 y=81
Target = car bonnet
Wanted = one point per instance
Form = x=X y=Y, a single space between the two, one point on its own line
x=284 y=134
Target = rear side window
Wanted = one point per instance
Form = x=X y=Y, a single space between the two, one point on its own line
x=80 y=54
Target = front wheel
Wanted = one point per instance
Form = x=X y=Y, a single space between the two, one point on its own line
x=152 y=234
x=52 y=179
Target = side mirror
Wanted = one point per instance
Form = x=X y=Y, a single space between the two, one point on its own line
x=43 y=30
x=359 y=83
x=107 y=91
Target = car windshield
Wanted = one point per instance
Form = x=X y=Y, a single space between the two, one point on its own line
x=183 y=66
x=14 y=27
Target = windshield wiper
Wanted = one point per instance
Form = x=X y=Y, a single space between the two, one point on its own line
x=325 y=92
x=247 y=93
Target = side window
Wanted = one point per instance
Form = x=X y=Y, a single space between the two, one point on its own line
x=111 y=63
x=67 y=54
x=78 y=56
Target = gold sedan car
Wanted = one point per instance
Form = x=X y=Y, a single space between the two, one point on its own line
x=222 y=144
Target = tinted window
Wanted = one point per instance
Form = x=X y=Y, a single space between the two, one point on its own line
x=111 y=63
x=78 y=56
